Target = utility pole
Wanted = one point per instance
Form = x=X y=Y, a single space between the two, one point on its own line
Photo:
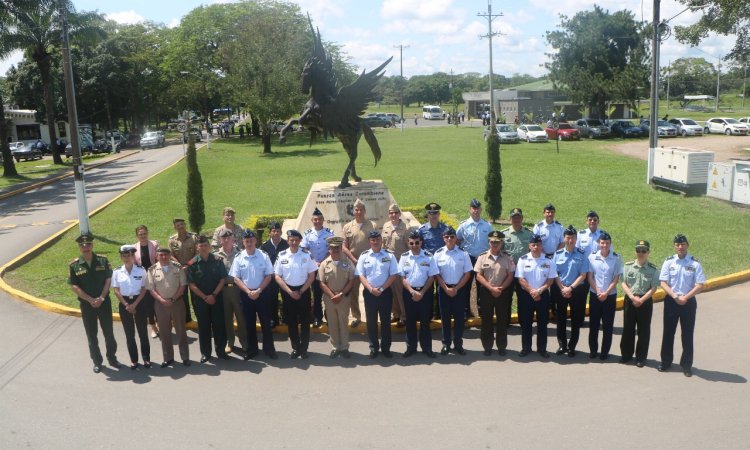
x=744 y=83
x=490 y=17
x=653 y=134
x=718 y=81
x=80 y=186
x=401 y=48
x=669 y=73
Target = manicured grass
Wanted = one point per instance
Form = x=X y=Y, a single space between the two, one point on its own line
x=30 y=170
x=441 y=164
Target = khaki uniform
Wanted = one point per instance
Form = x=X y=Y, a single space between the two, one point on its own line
x=516 y=245
x=396 y=241
x=166 y=285
x=336 y=276
x=237 y=231
x=232 y=306
x=496 y=271
x=355 y=239
x=183 y=250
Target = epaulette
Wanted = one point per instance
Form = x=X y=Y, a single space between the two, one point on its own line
x=427 y=253
x=105 y=256
x=440 y=250
x=652 y=265
x=630 y=263
x=558 y=222
x=176 y=264
x=548 y=256
x=190 y=263
x=304 y=250
x=560 y=251
x=366 y=252
x=486 y=251
x=75 y=260
x=526 y=256
x=695 y=259
x=616 y=254
x=265 y=252
x=530 y=231
x=174 y=236
x=465 y=220
x=328 y=230
x=406 y=253
x=505 y=229
x=582 y=232
x=423 y=225
x=283 y=252
x=541 y=223
x=309 y=230
x=671 y=257
x=581 y=251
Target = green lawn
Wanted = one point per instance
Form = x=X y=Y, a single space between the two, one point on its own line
x=30 y=170
x=441 y=164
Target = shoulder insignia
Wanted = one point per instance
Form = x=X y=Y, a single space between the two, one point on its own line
x=696 y=259
x=283 y=252
x=309 y=230
x=484 y=252
x=304 y=250
x=671 y=257
x=405 y=253
x=581 y=251
x=526 y=256
x=558 y=222
x=75 y=260
x=582 y=232
x=174 y=236
x=505 y=229
x=427 y=253
x=560 y=251
x=616 y=254
x=105 y=256
x=630 y=263
x=423 y=225
x=366 y=252
x=191 y=262
x=548 y=256
x=541 y=223
x=652 y=265
x=176 y=264
x=328 y=230
x=527 y=230
x=465 y=220
x=440 y=250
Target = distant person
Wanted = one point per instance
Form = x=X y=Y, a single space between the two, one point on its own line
x=129 y=283
x=415 y=119
x=665 y=118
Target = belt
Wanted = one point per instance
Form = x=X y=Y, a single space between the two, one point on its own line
x=549 y=254
x=229 y=284
x=451 y=285
x=417 y=288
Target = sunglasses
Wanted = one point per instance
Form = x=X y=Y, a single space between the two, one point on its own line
x=433 y=214
x=450 y=237
x=414 y=243
x=640 y=250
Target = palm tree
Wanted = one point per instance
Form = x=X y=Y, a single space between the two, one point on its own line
x=37 y=31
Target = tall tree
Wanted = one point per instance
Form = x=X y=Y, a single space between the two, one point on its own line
x=493 y=181
x=194 y=192
x=690 y=76
x=725 y=17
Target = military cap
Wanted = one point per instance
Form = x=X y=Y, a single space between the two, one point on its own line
x=450 y=231
x=229 y=210
x=359 y=202
x=163 y=249
x=516 y=212
x=549 y=207
x=605 y=236
x=373 y=234
x=274 y=226
x=643 y=244
x=415 y=235
x=127 y=249
x=227 y=233
x=680 y=238
x=85 y=238
x=495 y=236
x=535 y=239
x=317 y=212
x=248 y=234
x=177 y=219
x=475 y=203
x=432 y=208
x=335 y=241
x=394 y=207
x=570 y=231
x=293 y=233
x=202 y=239
x=592 y=213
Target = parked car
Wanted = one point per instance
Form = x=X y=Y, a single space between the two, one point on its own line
x=85 y=149
x=196 y=132
x=593 y=128
x=276 y=126
x=378 y=121
x=101 y=146
x=564 y=132
x=24 y=151
x=395 y=118
x=725 y=125
x=686 y=127
x=152 y=139
x=745 y=120
x=532 y=133
x=624 y=128
x=665 y=129
x=504 y=132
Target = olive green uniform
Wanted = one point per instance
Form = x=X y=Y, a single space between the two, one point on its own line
x=183 y=250
x=336 y=276
x=92 y=279
x=639 y=280
x=516 y=245
x=355 y=238
x=232 y=306
x=396 y=241
x=206 y=275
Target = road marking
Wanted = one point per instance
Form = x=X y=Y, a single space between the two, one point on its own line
x=7 y=226
x=40 y=223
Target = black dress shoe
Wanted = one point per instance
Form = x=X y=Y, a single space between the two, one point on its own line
x=97 y=368
x=592 y=355
x=624 y=360
x=501 y=352
x=273 y=324
x=133 y=366
x=346 y=354
x=444 y=350
x=294 y=354
x=663 y=367
x=687 y=371
x=523 y=353
x=167 y=363
x=316 y=323
x=409 y=352
x=147 y=365
x=115 y=363
x=373 y=354
x=387 y=354
x=334 y=354
x=224 y=356
x=561 y=350
x=273 y=355
x=429 y=353
x=354 y=323
x=469 y=315
x=186 y=363
x=571 y=353
x=544 y=353
x=460 y=351
x=304 y=354
x=204 y=359
x=639 y=364
x=400 y=324
x=487 y=352
x=603 y=356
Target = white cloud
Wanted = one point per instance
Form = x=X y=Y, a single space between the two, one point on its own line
x=129 y=16
x=12 y=60
x=174 y=22
x=421 y=9
x=322 y=10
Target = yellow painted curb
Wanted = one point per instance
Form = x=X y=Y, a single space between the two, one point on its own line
x=60 y=177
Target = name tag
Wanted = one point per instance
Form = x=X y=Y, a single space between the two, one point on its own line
x=284 y=261
x=101 y=268
x=385 y=260
x=485 y=265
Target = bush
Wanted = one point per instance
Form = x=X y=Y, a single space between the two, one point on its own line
x=194 y=200
x=493 y=190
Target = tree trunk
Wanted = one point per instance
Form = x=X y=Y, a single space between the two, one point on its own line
x=9 y=169
x=255 y=127
x=42 y=60
x=266 y=142
x=109 y=113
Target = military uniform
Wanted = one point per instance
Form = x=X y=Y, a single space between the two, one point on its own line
x=473 y=237
x=277 y=314
x=294 y=269
x=92 y=278
x=130 y=286
x=166 y=285
x=552 y=235
x=253 y=269
x=416 y=270
x=377 y=268
x=516 y=245
x=396 y=241
x=183 y=250
x=336 y=275
x=237 y=231
x=536 y=272
x=206 y=275
x=604 y=271
x=315 y=242
x=355 y=239
x=231 y=298
x=432 y=240
x=452 y=265
x=496 y=270
x=639 y=279
x=570 y=266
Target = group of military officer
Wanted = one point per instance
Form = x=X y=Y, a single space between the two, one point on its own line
x=549 y=268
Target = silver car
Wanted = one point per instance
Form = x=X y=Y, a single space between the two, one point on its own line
x=686 y=127
x=504 y=132
x=152 y=139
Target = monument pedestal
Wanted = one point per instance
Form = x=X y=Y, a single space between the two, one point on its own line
x=337 y=205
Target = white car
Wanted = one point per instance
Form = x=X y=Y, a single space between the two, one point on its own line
x=152 y=139
x=686 y=127
x=726 y=125
x=745 y=120
x=504 y=132
x=532 y=133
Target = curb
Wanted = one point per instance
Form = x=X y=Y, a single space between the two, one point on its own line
x=66 y=175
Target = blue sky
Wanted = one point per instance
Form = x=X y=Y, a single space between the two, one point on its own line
x=442 y=35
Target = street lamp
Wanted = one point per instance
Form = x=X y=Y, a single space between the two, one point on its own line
x=205 y=107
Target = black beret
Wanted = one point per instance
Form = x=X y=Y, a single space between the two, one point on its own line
x=227 y=233
x=202 y=239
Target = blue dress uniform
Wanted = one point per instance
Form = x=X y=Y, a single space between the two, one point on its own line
x=570 y=265
x=252 y=269
x=416 y=270
x=432 y=240
x=681 y=274
x=377 y=268
x=452 y=265
x=473 y=236
x=536 y=272
x=604 y=271
x=315 y=242
x=552 y=235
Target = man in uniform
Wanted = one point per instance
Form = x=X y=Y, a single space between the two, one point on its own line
x=252 y=272
x=205 y=276
x=682 y=278
x=314 y=241
x=605 y=268
x=588 y=239
x=231 y=294
x=89 y=276
x=273 y=246
x=551 y=232
x=640 y=279
x=336 y=276
x=417 y=269
x=295 y=271
x=355 y=242
x=229 y=225
x=569 y=289
x=495 y=271
x=454 y=271
x=431 y=234
x=377 y=268
x=396 y=240
x=535 y=273
x=183 y=249
x=472 y=236
x=166 y=281
x=517 y=239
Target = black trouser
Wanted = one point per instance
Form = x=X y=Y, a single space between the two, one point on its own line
x=577 y=303
x=259 y=307
x=452 y=307
x=604 y=313
x=103 y=315
x=187 y=297
x=273 y=296
x=379 y=306
x=297 y=312
x=636 y=319
x=211 y=317
x=421 y=312
x=133 y=322
x=317 y=294
x=148 y=302
x=685 y=315
x=526 y=309
x=515 y=286
x=494 y=306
